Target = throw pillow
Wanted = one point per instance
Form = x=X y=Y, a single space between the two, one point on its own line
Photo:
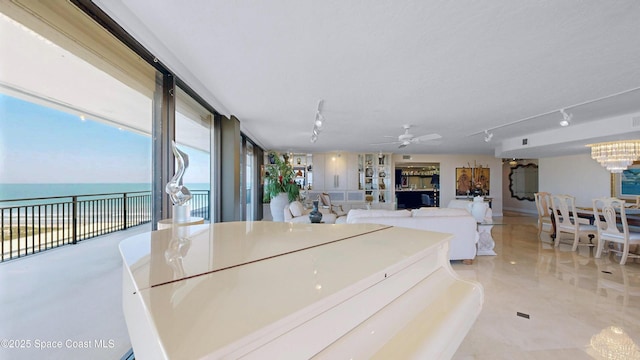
x=296 y=208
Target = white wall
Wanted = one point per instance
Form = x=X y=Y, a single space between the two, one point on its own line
x=576 y=175
x=448 y=165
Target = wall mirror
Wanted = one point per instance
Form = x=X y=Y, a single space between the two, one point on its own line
x=523 y=181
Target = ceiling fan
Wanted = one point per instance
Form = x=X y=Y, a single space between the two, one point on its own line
x=408 y=138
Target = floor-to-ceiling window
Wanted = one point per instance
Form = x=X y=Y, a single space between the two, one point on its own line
x=251 y=197
x=193 y=128
x=77 y=109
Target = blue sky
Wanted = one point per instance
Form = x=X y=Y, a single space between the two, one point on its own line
x=43 y=145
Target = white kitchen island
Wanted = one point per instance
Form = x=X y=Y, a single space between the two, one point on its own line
x=267 y=290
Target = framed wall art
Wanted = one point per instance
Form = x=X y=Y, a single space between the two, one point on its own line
x=472 y=181
x=463 y=181
x=626 y=185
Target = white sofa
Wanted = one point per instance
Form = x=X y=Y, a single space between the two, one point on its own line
x=458 y=222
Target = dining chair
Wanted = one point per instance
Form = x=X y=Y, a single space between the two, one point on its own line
x=611 y=223
x=567 y=221
x=544 y=216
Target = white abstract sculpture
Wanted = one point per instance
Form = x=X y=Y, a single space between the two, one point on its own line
x=483 y=214
x=179 y=193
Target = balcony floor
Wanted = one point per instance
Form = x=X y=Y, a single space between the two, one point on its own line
x=72 y=295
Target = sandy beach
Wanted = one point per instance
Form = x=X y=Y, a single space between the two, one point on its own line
x=33 y=239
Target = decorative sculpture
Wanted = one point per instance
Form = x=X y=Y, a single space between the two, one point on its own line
x=179 y=193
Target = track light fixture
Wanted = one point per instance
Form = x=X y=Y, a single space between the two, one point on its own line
x=319 y=120
x=487 y=136
x=566 y=118
x=317 y=123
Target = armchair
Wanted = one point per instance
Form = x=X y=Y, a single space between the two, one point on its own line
x=295 y=212
x=325 y=202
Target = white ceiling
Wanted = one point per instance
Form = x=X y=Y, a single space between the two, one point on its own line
x=455 y=68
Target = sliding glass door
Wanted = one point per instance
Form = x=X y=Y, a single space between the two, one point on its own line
x=193 y=133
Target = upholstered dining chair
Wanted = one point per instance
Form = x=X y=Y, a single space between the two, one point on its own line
x=543 y=201
x=613 y=227
x=567 y=221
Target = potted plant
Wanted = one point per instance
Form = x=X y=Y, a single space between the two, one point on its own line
x=279 y=185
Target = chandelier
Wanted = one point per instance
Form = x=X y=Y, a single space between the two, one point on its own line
x=613 y=343
x=616 y=156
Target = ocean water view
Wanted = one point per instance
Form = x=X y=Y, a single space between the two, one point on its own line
x=95 y=178
x=29 y=191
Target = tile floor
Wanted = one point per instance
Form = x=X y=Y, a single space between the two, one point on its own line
x=571 y=298
x=73 y=295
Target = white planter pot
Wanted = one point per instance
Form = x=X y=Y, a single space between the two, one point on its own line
x=277 y=206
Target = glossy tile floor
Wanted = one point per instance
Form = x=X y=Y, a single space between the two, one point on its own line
x=73 y=295
x=571 y=298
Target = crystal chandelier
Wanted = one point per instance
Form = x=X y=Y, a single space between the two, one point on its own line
x=616 y=156
x=614 y=343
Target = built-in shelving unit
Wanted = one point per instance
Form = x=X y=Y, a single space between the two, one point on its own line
x=375 y=177
x=303 y=167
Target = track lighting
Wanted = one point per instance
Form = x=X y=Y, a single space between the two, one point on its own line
x=566 y=118
x=319 y=120
x=487 y=136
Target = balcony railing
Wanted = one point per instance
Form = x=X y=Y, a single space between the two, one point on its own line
x=33 y=225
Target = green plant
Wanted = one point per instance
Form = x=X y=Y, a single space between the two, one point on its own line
x=279 y=178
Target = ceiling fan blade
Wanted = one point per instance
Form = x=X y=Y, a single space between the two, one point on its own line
x=402 y=145
x=428 y=137
x=386 y=143
x=430 y=142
